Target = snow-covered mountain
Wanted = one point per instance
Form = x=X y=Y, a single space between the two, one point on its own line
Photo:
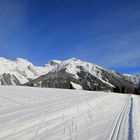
x=21 y=71
x=134 y=78
x=74 y=73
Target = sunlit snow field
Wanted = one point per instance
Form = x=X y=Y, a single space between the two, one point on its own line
x=55 y=114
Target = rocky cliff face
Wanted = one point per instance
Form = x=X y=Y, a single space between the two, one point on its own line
x=9 y=79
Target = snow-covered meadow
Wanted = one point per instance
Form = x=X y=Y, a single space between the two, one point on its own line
x=55 y=114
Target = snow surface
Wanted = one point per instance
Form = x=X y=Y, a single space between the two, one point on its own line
x=54 y=114
x=76 y=86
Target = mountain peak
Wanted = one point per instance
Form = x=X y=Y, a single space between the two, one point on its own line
x=73 y=59
x=2 y=58
x=54 y=62
x=23 y=62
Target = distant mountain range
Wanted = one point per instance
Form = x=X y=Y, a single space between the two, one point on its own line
x=22 y=71
x=70 y=74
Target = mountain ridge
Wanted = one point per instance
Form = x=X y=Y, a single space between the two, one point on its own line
x=87 y=75
x=73 y=71
x=22 y=70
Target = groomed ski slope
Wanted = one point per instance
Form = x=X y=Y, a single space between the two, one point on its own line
x=54 y=114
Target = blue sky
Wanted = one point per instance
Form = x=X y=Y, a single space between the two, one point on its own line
x=105 y=32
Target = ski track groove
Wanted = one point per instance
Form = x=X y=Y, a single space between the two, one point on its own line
x=114 y=132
